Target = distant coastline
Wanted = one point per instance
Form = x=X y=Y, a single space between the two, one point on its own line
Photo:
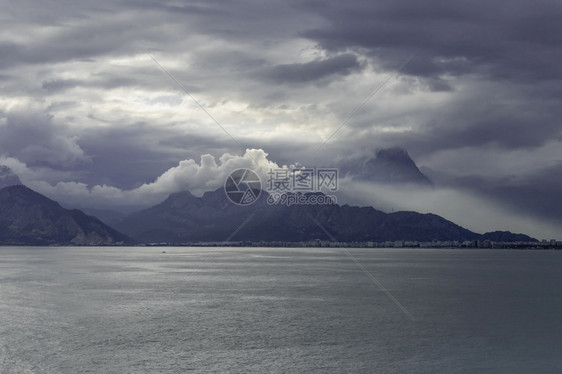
x=473 y=244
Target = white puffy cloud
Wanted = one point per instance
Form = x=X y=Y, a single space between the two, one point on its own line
x=208 y=174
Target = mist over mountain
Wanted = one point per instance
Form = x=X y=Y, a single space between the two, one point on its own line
x=389 y=165
x=535 y=194
x=7 y=177
x=29 y=218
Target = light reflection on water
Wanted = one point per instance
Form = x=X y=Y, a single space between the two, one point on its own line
x=278 y=310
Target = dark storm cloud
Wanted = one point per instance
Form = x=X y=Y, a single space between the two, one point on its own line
x=511 y=49
x=314 y=70
x=209 y=8
x=508 y=132
x=504 y=132
x=58 y=85
x=61 y=84
x=31 y=136
x=438 y=85
x=126 y=157
x=88 y=32
x=79 y=44
x=514 y=40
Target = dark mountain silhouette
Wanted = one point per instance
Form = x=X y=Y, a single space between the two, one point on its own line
x=389 y=166
x=506 y=236
x=183 y=217
x=29 y=218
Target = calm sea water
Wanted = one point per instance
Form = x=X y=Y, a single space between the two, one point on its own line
x=266 y=310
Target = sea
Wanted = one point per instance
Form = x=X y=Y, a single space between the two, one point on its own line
x=279 y=310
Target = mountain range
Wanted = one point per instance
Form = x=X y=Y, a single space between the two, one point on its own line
x=183 y=218
x=29 y=218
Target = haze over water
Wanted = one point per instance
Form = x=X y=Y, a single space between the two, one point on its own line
x=279 y=310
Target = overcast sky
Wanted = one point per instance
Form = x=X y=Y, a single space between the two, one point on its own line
x=88 y=117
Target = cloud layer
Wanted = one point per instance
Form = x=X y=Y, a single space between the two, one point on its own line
x=188 y=175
